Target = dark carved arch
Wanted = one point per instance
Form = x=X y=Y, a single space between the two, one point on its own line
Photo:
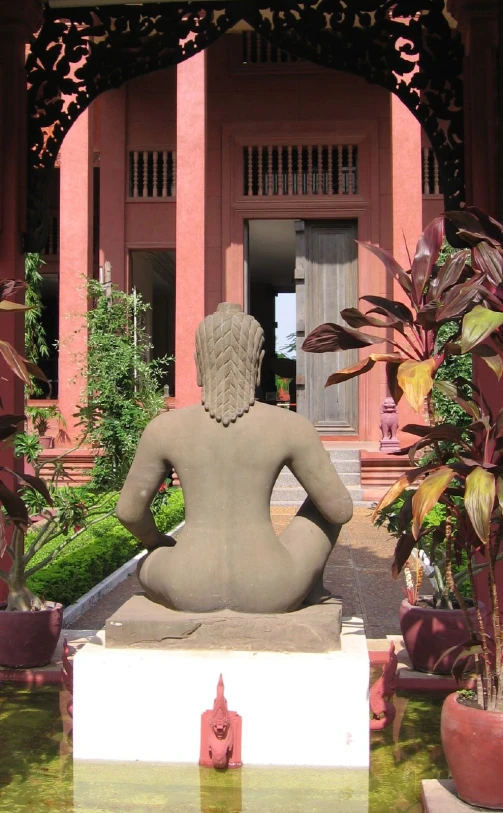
x=121 y=42
x=407 y=47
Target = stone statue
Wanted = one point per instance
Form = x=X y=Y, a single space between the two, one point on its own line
x=228 y=453
x=389 y=426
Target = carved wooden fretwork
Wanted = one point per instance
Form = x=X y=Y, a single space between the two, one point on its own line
x=406 y=47
x=88 y=51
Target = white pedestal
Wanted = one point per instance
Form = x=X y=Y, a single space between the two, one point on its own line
x=297 y=709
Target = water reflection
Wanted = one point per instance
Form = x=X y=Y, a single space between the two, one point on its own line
x=37 y=772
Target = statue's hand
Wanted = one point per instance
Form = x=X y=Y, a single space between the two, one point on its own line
x=163 y=541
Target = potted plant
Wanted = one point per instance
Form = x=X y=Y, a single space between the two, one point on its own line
x=40 y=417
x=464 y=469
x=431 y=621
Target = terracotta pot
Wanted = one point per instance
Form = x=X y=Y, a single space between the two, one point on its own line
x=428 y=632
x=46 y=441
x=29 y=639
x=473 y=746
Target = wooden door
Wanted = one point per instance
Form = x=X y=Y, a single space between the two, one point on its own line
x=326 y=281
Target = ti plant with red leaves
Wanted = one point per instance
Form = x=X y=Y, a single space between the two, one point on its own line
x=464 y=471
x=462 y=290
x=468 y=480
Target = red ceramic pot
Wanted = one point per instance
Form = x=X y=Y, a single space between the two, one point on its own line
x=473 y=746
x=429 y=632
x=29 y=639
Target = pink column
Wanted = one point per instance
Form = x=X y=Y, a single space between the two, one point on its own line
x=112 y=113
x=17 y=22
x=407 y=207
x=75 y=262
x=190 y=220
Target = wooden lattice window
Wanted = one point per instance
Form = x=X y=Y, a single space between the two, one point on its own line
x=300 y=170
x=430 y=171
x=51 y=248
x=152 y=174
x=258 y=51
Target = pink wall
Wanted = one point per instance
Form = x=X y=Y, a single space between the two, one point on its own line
x=272 y=101
x=260 y=99
x=150 y=124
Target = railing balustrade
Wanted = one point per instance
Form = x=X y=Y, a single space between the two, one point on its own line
x=152 y=174
x=430 y=171
x=311 y=169
x=52 y=244
x=258 y=51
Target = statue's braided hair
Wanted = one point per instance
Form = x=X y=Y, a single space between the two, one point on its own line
x=228 y=351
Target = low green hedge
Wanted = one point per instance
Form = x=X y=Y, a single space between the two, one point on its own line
x=97 y=553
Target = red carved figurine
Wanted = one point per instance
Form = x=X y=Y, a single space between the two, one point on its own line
x=220 y=734
x=389 y=426
x=381 y=692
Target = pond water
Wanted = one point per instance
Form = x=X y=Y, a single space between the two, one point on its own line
x=37 y=774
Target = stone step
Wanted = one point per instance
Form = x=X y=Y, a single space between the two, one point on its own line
x=344 y=454
x=296 y=496
x=347 y=473
x=289 y=481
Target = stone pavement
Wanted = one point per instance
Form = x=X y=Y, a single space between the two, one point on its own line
x=358 y=570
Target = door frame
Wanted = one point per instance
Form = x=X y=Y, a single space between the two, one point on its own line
x=363 y=208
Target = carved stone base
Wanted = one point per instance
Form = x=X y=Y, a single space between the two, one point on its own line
x=141 y=624
x=388 y=445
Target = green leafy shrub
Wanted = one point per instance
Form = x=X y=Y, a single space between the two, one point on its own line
x=171 y=511
x=122 y=386
x=97 y=552
x=454 y=368
x=35 y=339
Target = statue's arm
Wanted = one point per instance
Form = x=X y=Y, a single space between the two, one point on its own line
x=147 y=473
x=311 y=465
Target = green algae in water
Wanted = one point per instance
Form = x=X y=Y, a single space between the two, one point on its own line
x=398 y=767
x=37 y=774
x=121 y=787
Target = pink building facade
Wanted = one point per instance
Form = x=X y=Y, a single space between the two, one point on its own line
x=240 y=174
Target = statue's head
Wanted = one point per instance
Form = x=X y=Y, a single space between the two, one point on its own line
x=388 y=405
x=229 y=353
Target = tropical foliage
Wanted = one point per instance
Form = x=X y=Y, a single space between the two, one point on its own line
x=464 y=471
x=456 y=292
x=36 y=346
x=123 y=387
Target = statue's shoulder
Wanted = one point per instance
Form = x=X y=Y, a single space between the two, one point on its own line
x=294 y=425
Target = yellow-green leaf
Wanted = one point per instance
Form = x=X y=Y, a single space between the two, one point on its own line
x=499 y=491
x=428 y=495
x=13 y=306
x=480 y=491
x=416 y=380
x=478 y=325
x=350 y=372
x=391 y=495
x=391 y=358
x=491 y=358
